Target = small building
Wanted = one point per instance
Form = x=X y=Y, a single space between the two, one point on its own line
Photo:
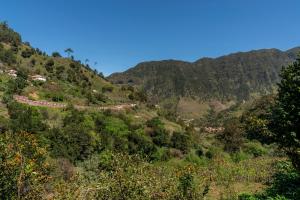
x=38 y=78
x=12 y=73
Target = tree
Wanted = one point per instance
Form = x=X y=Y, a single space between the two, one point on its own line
x=285 y=117
x=74 y=139
x=25 y=118
x=56 y=54
x=49 y=65
x=181 y=141
x=256 y=119
x=69 y=51
x=232 y=136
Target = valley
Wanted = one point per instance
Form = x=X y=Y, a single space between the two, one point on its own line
x=223 y=128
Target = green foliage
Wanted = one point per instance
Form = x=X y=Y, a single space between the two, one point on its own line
x=74 y=140
x=232 y=136
x=158 y=133
x=181 y=141
x=186 y=186
x=235 y=76
x=256 y=119
x=4 y=124
x=115 y=126
x=140 y=144
x=255 y=148
x=285 y=119
x=284 y=186
x=160 y=137
x=7 y=55
x=15 y=86
x=7 y=35
x=25 y=118
x=162 y=154
x=27 y=53
x=138 y=96
x=240 y=156
x=49 y=65
x=155 y=122
x=23 y=167
x=107 y=89
x=56 y=54
x=286 y=182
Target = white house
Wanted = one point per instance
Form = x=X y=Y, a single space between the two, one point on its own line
x=12 y=73
x=38 y=78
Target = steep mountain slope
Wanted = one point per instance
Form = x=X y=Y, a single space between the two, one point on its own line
x=235 y=76
x=61 y=78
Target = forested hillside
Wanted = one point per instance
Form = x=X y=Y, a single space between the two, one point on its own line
x=233 y=77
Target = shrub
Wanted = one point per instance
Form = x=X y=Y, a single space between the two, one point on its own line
x=107 y=88
x=181 y=141
x=7 y=56
x=162 y=154
x=56 y=54
x=239 y=156
x=209 y=155
x=33 y=61
x=199 y=152
x=25 y=118
x=155 y=122
x=186 y=186
x=49 y=65
x=255 y=149
x=27 y=53
x=232 y=136
x=23 y=167
x=7 y=35
x=74 y=140
x=140 y=144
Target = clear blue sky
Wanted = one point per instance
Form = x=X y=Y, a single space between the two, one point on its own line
x=118 y=34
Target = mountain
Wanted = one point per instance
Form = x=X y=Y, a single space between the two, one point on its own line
x=65 y=78
x=232 y=77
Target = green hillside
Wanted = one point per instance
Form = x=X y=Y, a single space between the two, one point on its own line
x=68 y=80
x=233 y=77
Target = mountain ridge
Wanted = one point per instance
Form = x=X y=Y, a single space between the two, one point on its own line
x=233 y=76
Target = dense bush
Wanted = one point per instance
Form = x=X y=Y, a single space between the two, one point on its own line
x=49 y=65
x=285 y=117
x=107 y=88
x=181 y=141
x=7 y=55
x=232 y=136
x=284 y=186
x=256 y=119
x=25 y=118
x=23 y=167
x=27 y=53
x=56 y=54
x=74 y=140
x=140 y=144
x=7 y=35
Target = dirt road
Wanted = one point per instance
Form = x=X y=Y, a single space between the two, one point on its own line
x=49 y=104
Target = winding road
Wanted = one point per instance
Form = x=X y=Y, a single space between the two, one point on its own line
x=49 y=104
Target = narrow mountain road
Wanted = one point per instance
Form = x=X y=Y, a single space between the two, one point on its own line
x=49 y=104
